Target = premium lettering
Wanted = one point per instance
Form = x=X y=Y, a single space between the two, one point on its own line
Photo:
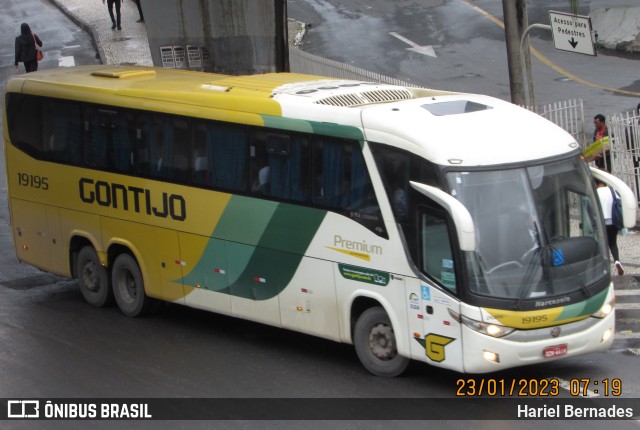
x=140 y=200
x=363 y=246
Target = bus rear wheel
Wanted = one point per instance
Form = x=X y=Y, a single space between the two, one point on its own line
x=375 y=344
x=128 y=286
x=93 y=278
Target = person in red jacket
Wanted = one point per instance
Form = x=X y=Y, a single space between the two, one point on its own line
x=26 y=51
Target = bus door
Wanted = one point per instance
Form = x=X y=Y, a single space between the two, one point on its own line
x=436 y=333
x=433 y=305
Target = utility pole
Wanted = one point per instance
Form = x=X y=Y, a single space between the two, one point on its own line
x=515 y=22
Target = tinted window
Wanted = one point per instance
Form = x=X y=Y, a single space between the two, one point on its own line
x=279 y=166
x=162 y=147
x=220 y=155
x=341 y=182
x=24 y=117
x=322 y=171
x=110 y=142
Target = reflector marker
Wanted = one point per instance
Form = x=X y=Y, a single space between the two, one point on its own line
x=181 y=263
x=259 y=279
x=220 y=271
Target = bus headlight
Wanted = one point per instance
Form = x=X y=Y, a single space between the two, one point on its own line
x=493 y=330
x=606 y=309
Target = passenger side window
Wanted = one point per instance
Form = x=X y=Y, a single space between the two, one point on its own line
x=340 y=177
x=279 y=166
x=220 y=151
x=162 y=147
x=63 y=131
x=25 y=124
x=341 y=182
x=110 y=141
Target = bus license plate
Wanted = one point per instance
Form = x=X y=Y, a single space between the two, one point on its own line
x=555 y=351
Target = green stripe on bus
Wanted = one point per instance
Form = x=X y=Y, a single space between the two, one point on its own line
x=269 y=242
x=279 y=253
x=245 y=219
x=585 y=308
x=322 y=128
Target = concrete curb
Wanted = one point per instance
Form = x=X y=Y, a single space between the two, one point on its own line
x=83 y=25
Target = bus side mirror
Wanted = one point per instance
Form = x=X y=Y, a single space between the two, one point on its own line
x=465 y=229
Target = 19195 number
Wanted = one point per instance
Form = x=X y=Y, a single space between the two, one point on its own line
x=33 y=181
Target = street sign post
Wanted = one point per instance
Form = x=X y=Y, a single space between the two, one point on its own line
x=572 y=33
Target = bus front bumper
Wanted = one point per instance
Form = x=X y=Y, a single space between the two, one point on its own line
x=483 y=354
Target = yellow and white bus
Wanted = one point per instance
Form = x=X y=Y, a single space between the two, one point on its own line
x=453 y=229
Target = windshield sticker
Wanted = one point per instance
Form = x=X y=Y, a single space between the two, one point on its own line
x=447 y=264
x=361 y=274
x=443 y=301
x=448 y=279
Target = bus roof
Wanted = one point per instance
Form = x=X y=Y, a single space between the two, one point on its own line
x=195 y=88
x=485 y=130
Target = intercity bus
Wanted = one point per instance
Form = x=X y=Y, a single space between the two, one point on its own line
x=454 y=229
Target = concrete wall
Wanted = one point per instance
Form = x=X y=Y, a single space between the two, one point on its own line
x=618 y=27
x=222 y=36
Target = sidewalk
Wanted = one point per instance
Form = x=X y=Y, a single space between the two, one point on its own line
x=127 y=46
x=130 y=46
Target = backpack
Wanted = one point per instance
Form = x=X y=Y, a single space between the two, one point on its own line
x=616 y=211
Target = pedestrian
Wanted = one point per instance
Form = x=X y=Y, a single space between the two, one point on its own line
x=139 y=11
x=27 y=47
x=605 y=194
x=603 y=160
x=115 y=21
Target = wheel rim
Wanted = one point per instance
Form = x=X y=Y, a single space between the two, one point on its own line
x=128 y=287
x=90 y=276
x=382 y=342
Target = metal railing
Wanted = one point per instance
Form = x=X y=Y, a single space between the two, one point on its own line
x=303 y=62
x=624 y=137
x=568 y=114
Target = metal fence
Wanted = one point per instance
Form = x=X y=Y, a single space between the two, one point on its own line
x=303 y=62
x=624 y=135
x=568 y=114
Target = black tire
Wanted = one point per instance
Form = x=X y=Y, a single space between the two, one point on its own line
x=93 y=278
x=375 y=344
x=128 y=286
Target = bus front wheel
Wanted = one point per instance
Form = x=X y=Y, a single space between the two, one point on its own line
x=128 y=286
x=93 y=278
x=375 y=344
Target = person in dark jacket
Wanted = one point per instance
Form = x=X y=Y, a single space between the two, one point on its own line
x=26 y=48
x=139 y=11
x=115 y=20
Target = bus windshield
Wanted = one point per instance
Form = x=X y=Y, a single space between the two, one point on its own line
x=538 y=230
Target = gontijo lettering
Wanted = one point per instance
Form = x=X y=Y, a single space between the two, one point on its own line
x=121 y=196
